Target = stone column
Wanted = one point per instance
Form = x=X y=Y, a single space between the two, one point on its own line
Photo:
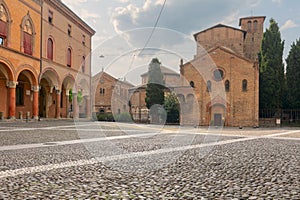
x=75 y=106
x=88 y=106
x=67 y=104
x=35 y=90
x=12 y=99
x=57 y=104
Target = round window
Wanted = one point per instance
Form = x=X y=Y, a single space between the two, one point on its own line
x=218 y=74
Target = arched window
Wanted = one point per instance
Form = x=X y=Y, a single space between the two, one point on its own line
x=28 y=33
x=249 y=26
x=208 y=86
x=4 y=18
x=255 y=25
x=83 y=64
x=50 y=49
x=245 y=85
x=192 y=84
x=227 y=86
x=69 y=57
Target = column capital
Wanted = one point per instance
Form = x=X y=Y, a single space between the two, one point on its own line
x=57 y=91
x=12 y=84
x=35 y=88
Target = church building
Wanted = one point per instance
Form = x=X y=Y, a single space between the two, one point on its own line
x=224 y=76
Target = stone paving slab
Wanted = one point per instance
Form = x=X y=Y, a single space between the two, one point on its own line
x=254 y=169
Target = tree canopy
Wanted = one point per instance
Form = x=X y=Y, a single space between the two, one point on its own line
x=155 y=89
x=271 y=68
x=293 y=76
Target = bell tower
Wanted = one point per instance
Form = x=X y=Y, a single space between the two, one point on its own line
x=254 y=29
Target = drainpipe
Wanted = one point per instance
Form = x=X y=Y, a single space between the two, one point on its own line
x=41 y=41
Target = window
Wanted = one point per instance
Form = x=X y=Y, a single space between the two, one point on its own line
x=50 y=49
x=245 y=85
x=218 y=74
x=249 y=24
x=227 y=86
x=255 y=25
x=20 y=94
x=102 y=91
x=27 y=37
x=208 y=86
x=83 y=64
x=69 y=57
x=83 y=40
x=3 y=24
x=192 y=84
x=50 y=17
x=69 y=30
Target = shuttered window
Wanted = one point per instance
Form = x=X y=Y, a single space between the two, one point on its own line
x=27 y=43
x=3 y=29
x=50 y=49
x=69 y=57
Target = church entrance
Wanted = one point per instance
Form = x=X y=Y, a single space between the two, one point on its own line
x=217 y=119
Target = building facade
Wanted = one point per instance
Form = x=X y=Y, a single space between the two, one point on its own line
x=66 y=63
x=224 y=76
x=139 y=110
x=44 y=52
x=110 y=94
x=19 y=57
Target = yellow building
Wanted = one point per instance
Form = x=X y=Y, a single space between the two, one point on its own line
x=20 y=38
x=44 y=52
x=66 y=62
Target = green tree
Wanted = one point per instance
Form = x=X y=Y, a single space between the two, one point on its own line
x=155 y=89
x=271 y=79
x=172 y=108
x=293 y=76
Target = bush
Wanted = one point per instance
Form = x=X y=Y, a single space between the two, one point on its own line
x=124 y=117
x=105 y=117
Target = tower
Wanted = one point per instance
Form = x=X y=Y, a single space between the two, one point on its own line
x=254 y=27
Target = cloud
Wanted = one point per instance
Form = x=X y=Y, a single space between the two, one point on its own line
x=85 y=14
x=74 y=2
x=288 y=24
x=179 y=15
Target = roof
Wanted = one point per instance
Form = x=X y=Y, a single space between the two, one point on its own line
x=218 y=26
x=164 y=70
x=225 y=49
x=102 y=74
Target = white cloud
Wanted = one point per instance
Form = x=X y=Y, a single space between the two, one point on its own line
x=74 y=2
x=85 y=14
x=231 y=19
x=288 y=24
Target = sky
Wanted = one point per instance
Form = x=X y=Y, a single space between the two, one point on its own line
x=126 y=40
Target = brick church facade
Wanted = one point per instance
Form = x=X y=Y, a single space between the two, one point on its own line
x=223 y=76
x=44 y=53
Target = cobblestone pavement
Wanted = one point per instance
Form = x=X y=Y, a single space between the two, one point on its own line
x=91 y=160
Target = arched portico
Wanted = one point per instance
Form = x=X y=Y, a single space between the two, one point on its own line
x=8 y=89
x=49 y=99
x=85 y=101
x=26 y=94
x=68 y=88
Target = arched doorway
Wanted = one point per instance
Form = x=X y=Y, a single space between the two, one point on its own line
x=67 y=90
x=6 y=77
x=26 y=95
x=84 y=99
x=49 y=94
x=218 y=114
